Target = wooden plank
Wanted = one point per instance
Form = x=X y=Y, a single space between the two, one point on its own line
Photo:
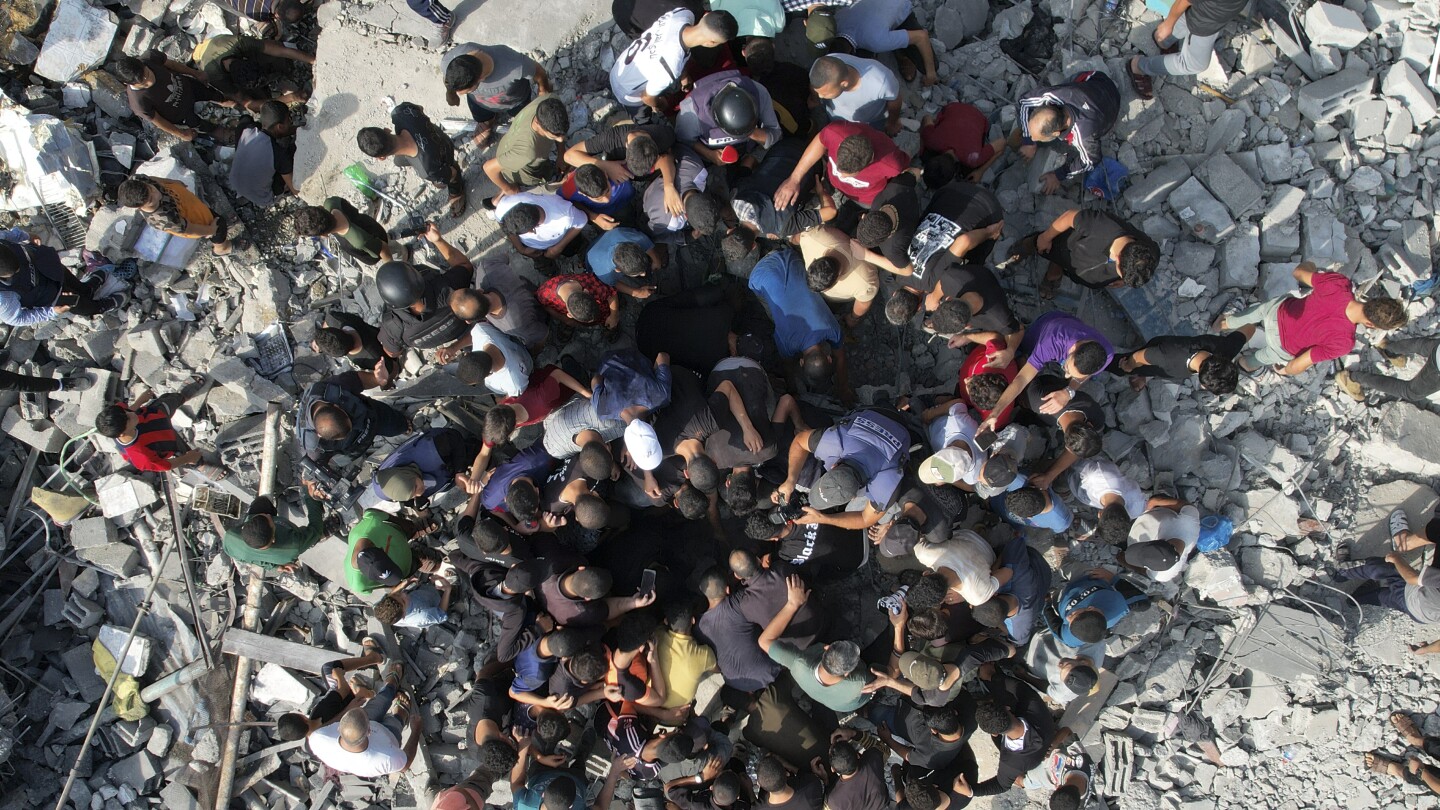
x=288 y=654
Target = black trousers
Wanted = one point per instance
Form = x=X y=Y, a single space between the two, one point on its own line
x=1421 y=386
x=10 y=381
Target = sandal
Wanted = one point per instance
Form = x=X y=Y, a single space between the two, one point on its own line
x=1382 y=764
x=391 y=672
x=1399 y=524
x=1410 y=732
x=458 y=204
x=1144 y=88
x=369 y=645
x=1048 y=287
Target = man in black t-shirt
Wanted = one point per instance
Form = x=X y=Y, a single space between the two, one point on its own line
x=1175 y=357
x=973 y=308
x=417 y=142
x=427 y=323
x=1081 y=424
x=754 y=202
x=887 y=229
x=963 y=221
x=165 y=92
x=1092 y=248
x=343 y=334
x=832 y=552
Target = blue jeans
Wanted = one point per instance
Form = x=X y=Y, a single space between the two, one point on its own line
x=1383 y=586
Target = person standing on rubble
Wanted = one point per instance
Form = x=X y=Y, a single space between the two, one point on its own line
x=35 y=287
x=170 y=206
x=417 y=142
x=1074 y=115
x=1186 y=38
x=165 y=92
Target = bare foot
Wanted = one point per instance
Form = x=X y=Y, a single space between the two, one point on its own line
x=1383 y=765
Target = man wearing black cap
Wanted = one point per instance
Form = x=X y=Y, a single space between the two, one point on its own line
x=35 y=287
x=378 y=553
x=1161 y=540
x=864 y=453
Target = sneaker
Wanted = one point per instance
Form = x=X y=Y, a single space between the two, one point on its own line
x=110 y=286
x=78 y=381
x=1351 y=388
x=1395 y=360
x=894 y=601
x=121 y=299
x=446 y=29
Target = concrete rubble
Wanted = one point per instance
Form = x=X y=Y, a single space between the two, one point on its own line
x=1330 y=154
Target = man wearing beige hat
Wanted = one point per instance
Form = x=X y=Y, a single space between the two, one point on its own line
x=427 y=464
x=958 y=458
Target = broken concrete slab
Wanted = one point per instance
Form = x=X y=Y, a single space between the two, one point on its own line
x=1230 y=184
x=123 y=493
x=1405 y=86
x=1240 y=261
x=1406 y=440
x=1148 y=192
x=1268 y=512
x=79 y=39
x=1332 y=24
x=1287 y=644
x=1204 y=216
x=273 y=684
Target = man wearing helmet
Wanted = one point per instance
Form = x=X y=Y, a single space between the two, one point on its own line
x=725 y=116
x=418 y=314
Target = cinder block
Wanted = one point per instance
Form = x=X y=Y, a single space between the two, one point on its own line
x=92 y=533
x=119 y=559
x=81 y=612
x=141 y=771
x=1403 y=84
x=1148 y=192
x=1322 y=100
x=1324 y=238
x=1284 y=205
x=1230 y=184
x=40 y=434
x=1329 y=24
x=120 y=494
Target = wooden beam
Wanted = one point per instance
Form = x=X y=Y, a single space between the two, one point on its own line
x=288 y=654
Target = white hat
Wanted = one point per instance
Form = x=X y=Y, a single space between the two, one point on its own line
x=949 y=465
x=644 y=445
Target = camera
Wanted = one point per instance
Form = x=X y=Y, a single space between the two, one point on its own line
x=413 y=231
x=791 y=510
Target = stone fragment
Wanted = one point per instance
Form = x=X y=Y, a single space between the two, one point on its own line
x=1369 y=118
x=121 y=494
x=1275 y=162
x=141 y=771
x=1240 y=261
x=1322 y=100
x=79 y=39
x=40 y=434
x=92 y=532
x=1284 y=203
x=1230 y=184
x=1323 y=237
x=1215 y=577
x=1146 y=193
x=1404 y=85
x=1330 y=24
x=1269 y=512
x=274 y=684
x=118 y=559
x=1204 y=216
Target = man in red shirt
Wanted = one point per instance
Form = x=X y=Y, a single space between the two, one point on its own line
x=980 y=387
x=955 y=141
x=146 y=437
x=580 y=300
x=1300 y=332
x=859 y=161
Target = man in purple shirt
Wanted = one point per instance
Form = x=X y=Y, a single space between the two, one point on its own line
x=1061 y=338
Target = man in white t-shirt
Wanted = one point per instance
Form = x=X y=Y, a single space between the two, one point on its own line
x=965 y=561
x=496 y=360
x=859 y=90
x=656 y=59
x=957 y=459
x=365 y=741
x=1098 y=483
x=1161 y=539
x=541 y=226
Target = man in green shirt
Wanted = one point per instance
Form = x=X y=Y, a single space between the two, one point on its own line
x=263 y=539
x=378 y=552
x=524 y=158
x=249 y=70
x=829 y=673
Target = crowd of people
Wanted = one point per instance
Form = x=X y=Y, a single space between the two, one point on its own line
x=670 y=511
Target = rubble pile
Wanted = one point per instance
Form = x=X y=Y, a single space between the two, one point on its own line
x=1253 y=682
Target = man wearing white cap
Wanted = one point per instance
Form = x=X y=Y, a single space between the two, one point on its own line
x=957 y=458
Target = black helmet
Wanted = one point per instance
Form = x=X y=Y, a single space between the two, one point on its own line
x=734 y=111
x=400 y=284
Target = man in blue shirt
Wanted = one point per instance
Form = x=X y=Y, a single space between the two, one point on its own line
x=624 y=258
x=627 y=387
x=512 y=492
x=537 y=662
x=1035 y=508
x=551 y=789
x=1091 y=605
x=805 y=328
x=1024 y=579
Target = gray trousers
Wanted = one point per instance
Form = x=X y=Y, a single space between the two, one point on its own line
x=1194 y=55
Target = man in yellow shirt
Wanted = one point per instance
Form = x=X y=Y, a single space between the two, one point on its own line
x=683 y=659
x=836 y=268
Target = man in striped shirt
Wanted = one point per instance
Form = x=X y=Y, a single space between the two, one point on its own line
x=145 y=435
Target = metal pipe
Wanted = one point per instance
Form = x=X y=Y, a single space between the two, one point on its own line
x=177 y=526
x=141 y=611
x=250 y=620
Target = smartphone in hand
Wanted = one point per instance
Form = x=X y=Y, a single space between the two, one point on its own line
x=647 y=581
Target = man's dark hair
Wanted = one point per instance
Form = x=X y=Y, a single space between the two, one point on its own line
x=551 y=728
x=589 y=665
x=1385 y=313
x=875 y=226
x=591 y=181
x=1025 y=502
x=591 y=511
x=945 y=720
x=770 y=774
x=375 y=142
x=902 y=306
x=582 y=306
x=290 y=11
x=111 y=421
x=928 y=624
x=521 y=219
x=331 y=422
x=759 y=526
x=312 y=220
x=589 y=583
x=737 y=245
x=463 y=73
x=703 y=474
x=594 y=460
x=821 y=274
x=740 y=491
x=1049 y=121
x=291 y=726
x=675 y=747
x=759 y=56
x=854 y=154
x=844 y=759
x=691 y=503
x=566 y=642
x=992 y=718
x=940 y=170
x=128 y=70
x=927 y=592
x=258 y=531
x=1219 y=375
x=499 y=424
x=1089 y=357
x=522 y=500
x=490 y=535
x=473 y=368
x=1083 y=439
x=1112 y=526
x=704 y=212
x=714 y=583
x=132 y=193
x=1082 y=679
x=272 y=113
x=985 y=389
x=1065 y=797
x=726 y=789
x=1137 y=263
x=552 y=116
x=826 y=71
x=991 y=613
x=951 y=318
x=641 y=153
x=818 y=366
x=1089 y=627
x=680 y=613
x=497 y=756
x=631 y=260
x=921 y=796
x=721 y=24
x=9 y=259
x=558 y=795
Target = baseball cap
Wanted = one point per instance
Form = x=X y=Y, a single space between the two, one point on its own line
x=947 y=466
x=921 y=670
x=901 y=538
x=398 y=483
x=524 y=576
x=820 y=26
x=1156 y=555
x=376 y=565
x=644 y=445
x=835 y=488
